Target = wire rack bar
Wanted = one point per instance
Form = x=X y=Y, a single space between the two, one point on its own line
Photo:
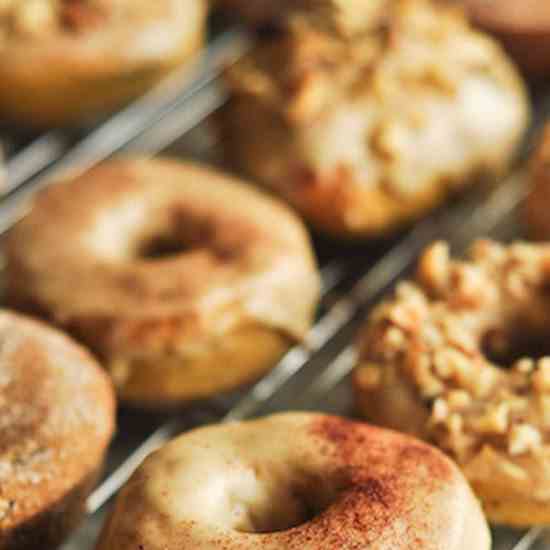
x=130 y=123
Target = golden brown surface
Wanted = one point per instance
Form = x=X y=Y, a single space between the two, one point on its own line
x=66 y=61
x=56 y=421
x=537 y=211
x=238 y=285
x=523 y=27
x=432 y=364
x=296 y=481
x=368 y=133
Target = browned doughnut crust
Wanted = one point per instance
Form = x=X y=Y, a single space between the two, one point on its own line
x=431 y=361
x=296 y=481
x=365 y=134
x=92 y=56
x=523 y=27
x=56 y=420
x=537 y=205
x=239 y=289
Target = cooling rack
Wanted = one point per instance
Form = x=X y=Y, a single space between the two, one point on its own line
x=311 y=376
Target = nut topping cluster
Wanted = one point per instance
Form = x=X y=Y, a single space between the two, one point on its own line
x=451 y=335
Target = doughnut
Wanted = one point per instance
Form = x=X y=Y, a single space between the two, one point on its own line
x=538 y=201
x=333 y=484
x=343 y=17
x=56 y=421
x=523 y=27
x=461 y=358
x=183 y=281
x=363 y=135
x=66 y=61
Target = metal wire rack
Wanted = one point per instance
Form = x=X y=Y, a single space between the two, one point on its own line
x=311 y=376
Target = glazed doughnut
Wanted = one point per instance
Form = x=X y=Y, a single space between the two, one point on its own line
x=523 y=27
x=431 y=364
x=332 y=484
x=183 y=281
x=363 y=135
x=344 y=17
x=56 y=421
x=65 y=61
x=538 y=200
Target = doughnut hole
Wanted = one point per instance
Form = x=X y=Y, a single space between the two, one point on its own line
x=178 y=232
x=518 y=341
x=161 y=247
x=283 y=502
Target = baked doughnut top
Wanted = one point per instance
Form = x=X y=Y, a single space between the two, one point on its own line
x=365 y=134
x=296 y=481
x=238 y=255
x=56 y=418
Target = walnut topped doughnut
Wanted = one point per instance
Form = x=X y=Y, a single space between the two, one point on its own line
x=431 y=364
x=365 y=134
x=296 y=481
x=184 y=281
x=64 y=61
x=56 y=421
x=538 y=201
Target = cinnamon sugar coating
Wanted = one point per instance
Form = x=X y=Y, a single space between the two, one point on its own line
x=365 y=133
x=237 y=286
x=56 y=421
x=441 y=343
x=296 y=481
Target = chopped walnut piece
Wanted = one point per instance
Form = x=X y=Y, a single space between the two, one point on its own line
x=434 y=266
x=370 y=376
x=459 y=399
x=512 y=470
x=494 y=421
x=440 y=411
x=524 y=438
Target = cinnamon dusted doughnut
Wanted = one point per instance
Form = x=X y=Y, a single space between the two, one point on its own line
x=538 y=201
x=523 y=27
x=296 y=481
x=185 y=282
x=63 y=61
x=365 y=134
x=56 y=421
x=431 y=364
